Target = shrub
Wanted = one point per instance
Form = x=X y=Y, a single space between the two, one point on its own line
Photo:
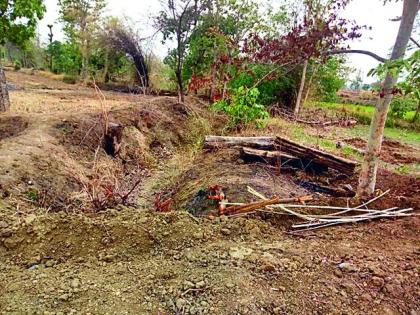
x=400 y=106
x=17 y=65
x=242 y=108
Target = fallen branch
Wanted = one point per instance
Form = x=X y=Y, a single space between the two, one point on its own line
x=261 y=204
x=306 y=154
x=317 y=221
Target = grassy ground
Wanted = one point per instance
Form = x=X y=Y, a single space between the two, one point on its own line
x=364 y=113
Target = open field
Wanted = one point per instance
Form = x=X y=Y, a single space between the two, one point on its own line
x=364 y=114
x=61 y=255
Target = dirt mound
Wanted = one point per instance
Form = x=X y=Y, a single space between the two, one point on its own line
x=392 y=151
x=11 y=126
x=140 y=262
x=81 y=173
x=227 y=169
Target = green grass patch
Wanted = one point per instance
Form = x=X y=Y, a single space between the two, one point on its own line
x=403 y=135
x=364 y=113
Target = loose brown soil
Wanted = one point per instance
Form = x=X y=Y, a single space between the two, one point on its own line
x=61 y=256
x=392 y=151
x=11 y=126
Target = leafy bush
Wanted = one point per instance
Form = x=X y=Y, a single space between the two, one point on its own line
x=400 y=106
x=242 y=108
x=17 y=65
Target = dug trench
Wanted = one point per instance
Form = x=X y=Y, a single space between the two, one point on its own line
x=63 y=253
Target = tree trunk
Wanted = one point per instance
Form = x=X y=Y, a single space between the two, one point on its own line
x=180 y=86
x=4 y=93
x=302 y=86
x=367 y=178
x=308 y=86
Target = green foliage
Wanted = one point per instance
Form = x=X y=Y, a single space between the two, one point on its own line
x=67 y=57
x=17 y=65
x=18 y=19
x=243 y=108
x=400 y=106
x=280 y=88
x=331 y=77
x=32 y=195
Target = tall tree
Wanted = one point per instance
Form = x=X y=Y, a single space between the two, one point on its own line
x=367 y=179
x=81 y=21
x=177 y=21
x=18 y=20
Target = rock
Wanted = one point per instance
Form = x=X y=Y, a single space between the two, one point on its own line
x=49 y=263
x=376 y=271
x=366 y=297
x=378 y=282
x=75 y=283
x=225 y=231
x=30 y=219
x=64 y=297
x=240 y=252
x=338 y=273
x=143 y=220
x=12 y=243
x=6 y=232
x=230 y=285
x=347 y=267
x=200 y=284
x=3 y=225
x=198 y=235
x=268 y=267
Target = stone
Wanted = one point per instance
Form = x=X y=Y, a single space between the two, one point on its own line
x=338 y=273
x=198 y=235
x=347 y=267
x=49 y=263
x=3 y=225
x=230 y=285
x=75 y=283
x=64 y=297
x=378 y=282
x=30 y=219
x=240 y=252
x=12 y=243
x=268 y=267
x=200 y=284
x=6 y=232
x=225 y=231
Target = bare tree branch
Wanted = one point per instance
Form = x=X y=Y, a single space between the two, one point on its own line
x=415 y=42
x=357 y=51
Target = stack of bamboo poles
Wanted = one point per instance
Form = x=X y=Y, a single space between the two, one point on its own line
x=339 y=215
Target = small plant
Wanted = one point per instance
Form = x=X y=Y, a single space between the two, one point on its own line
x=17 y=65
x=243 y=109
x=32 y=195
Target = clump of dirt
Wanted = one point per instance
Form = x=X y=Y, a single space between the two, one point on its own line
x=392 y=151
x=11 y=126
x=227 y=169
